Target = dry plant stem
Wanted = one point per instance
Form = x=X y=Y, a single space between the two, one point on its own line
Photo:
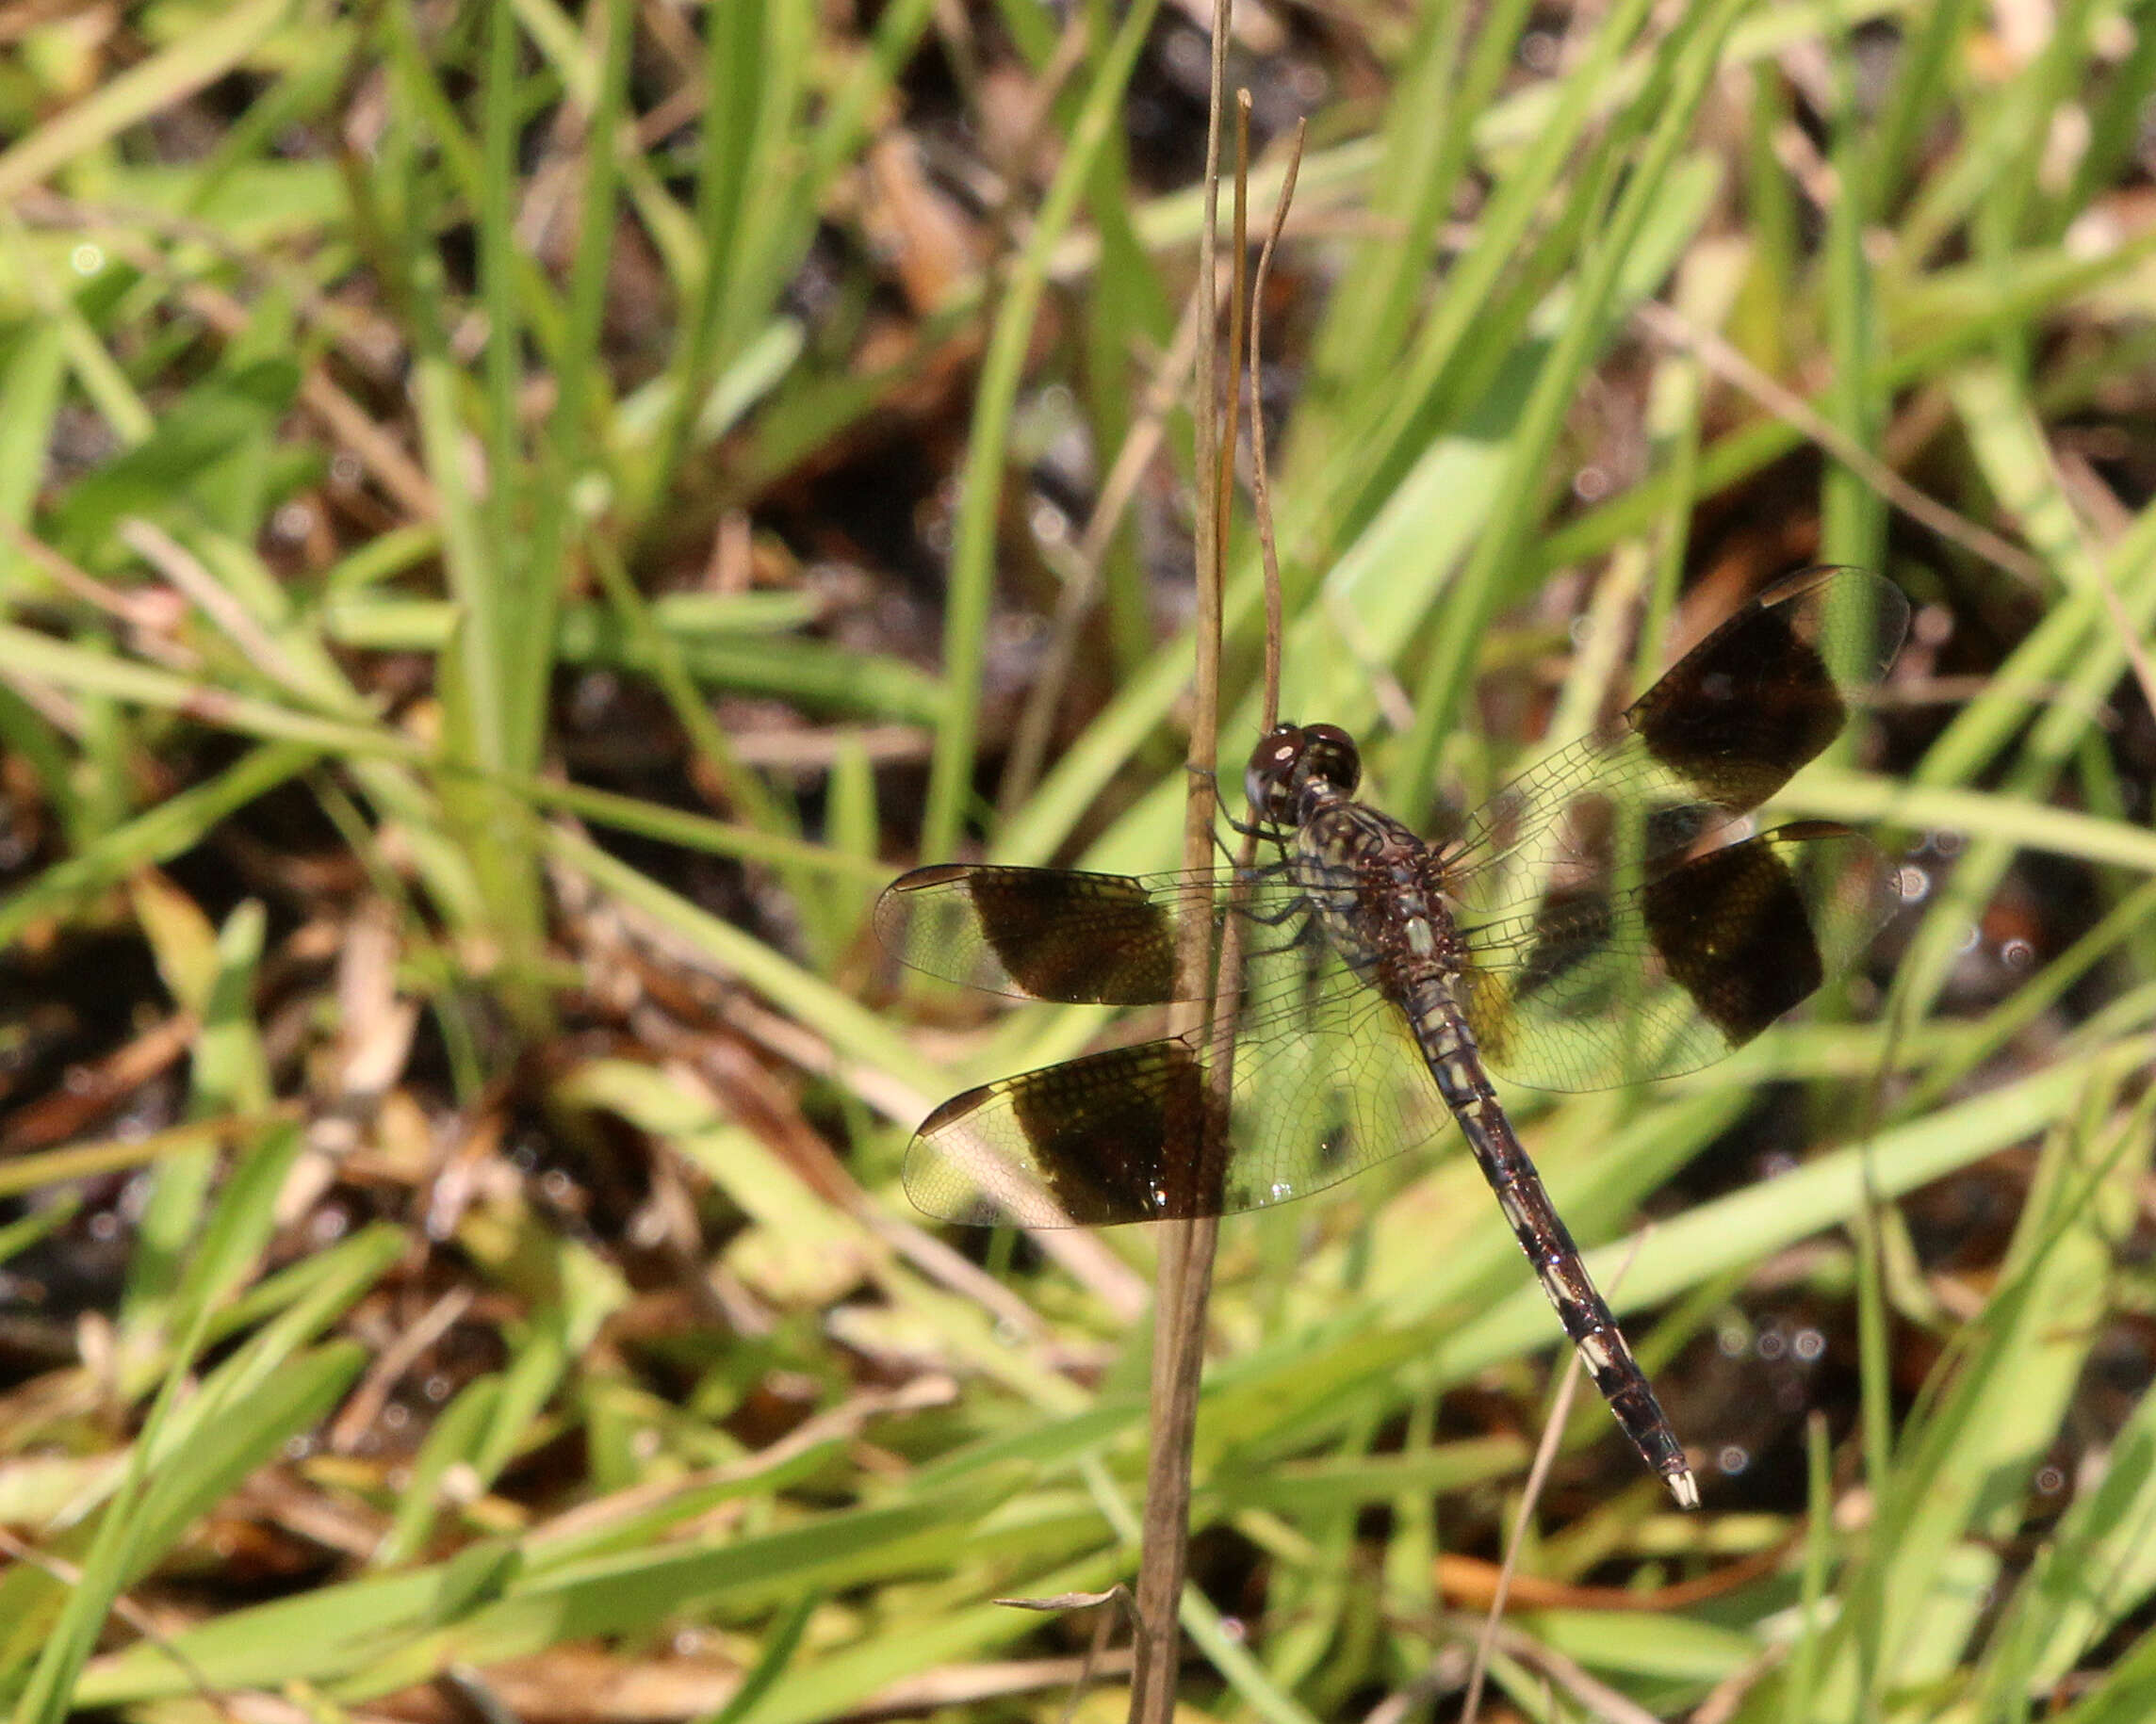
x=1186 y=1248
x=1096 y=1662
x=1238 y=325
x=1261 y=486
x=1180 y=1339
x=1727 y=363
x=1029 y=740
x=1596 y=1700
x=1012 y=168
x=184 y=572
x=1592 y=1700
x=340 y=413
x=353 y=1425
x=2136 y=653
x=152 y=617
x=1538 y=1476
x=48 y=703
x=142 y=1621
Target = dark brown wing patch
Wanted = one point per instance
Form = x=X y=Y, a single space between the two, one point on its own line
x=1109 y=1138
x=1749 y=704
x=1049 y=934
x=1596 y=989
x=1726 y=726
x=1735 y=932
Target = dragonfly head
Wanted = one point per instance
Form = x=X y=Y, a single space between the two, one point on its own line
x=1293 y=757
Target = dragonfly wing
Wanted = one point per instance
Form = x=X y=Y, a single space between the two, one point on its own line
x=1597 y=991
x=1327 y=1082
x=1054 y=934
x=1724 y=729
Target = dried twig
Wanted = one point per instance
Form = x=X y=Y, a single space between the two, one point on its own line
x=1186 y=1248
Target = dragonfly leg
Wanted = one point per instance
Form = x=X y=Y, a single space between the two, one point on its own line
x=1286 y=913
x=1306 y=938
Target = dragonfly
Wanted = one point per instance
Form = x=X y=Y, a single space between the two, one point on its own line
x=1610 y=917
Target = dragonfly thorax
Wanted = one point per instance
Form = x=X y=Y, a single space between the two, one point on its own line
x=1295 y=760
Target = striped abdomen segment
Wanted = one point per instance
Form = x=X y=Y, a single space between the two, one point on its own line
x=1449 y=1047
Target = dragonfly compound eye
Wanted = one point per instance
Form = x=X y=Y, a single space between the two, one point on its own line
x=1269 y=780
x=1329 y=753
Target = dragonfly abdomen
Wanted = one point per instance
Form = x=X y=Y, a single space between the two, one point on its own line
x=1448 y=1046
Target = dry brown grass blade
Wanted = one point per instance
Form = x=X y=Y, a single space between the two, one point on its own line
x=1097 y=1662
